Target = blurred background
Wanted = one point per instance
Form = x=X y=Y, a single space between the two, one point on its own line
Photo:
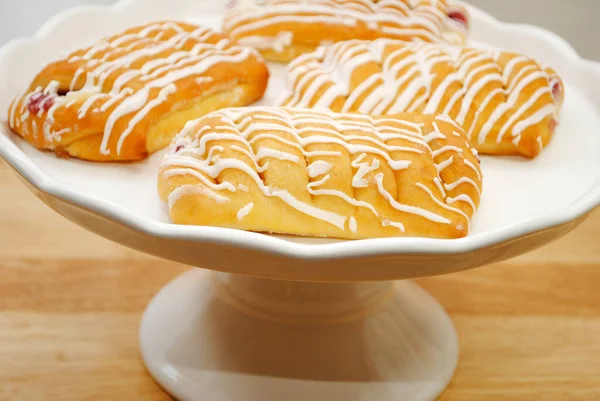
x=574 y=20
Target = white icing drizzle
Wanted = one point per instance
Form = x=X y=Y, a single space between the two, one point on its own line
x=436 y=218
x=440 y=187
x=535 y=118
x=277 y=43
x=138 y=100
x=405 y=84
x=57 y=103
x=318 y=168
x=432 y=136
x=83 y=110
x=157 y=56
x=198 y=155
x=161 y=98
x=474 y=168
x=330 y=217
x=248 y=152
x=276 y=154
x=462 y=198
x=462 y=180
x=332 y=192
x=61 y=132
x=51 y=88
x=116 y=98
x=441 y=166
x=190 y=170
x=24 y=116
x=243 y=212
x=186 y=190
x=399 y=226
x=34 y=127
x=510 y=103
x=359 y=180
x=203 y=80
x=445 y=149
x=352 y=225
x=442 y=204
x=420 y=19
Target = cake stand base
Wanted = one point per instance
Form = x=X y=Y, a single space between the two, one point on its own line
x=218 y=337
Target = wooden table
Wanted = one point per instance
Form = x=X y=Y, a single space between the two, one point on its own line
x=70 y=305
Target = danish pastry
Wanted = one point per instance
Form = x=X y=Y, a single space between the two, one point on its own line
x=507 y=103
x=129 y=94
x=320 y=173
x=284 y=29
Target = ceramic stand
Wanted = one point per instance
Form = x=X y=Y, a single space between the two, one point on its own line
x=220 y=337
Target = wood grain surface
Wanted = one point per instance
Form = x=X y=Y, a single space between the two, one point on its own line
x=70 y=305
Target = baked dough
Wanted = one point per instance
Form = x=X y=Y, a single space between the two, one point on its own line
x=320 y=173
x=508 y=103
x=284 y=29
x=129 y=94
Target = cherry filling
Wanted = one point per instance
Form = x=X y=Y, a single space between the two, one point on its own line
x=43 y=101
x=459 y=17
x=40 y=101
x=557 y=91
x=557 y=95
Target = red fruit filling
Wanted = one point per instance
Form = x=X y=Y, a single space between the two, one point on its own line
x=40 y=101
x=557 y=90
x=459 y=17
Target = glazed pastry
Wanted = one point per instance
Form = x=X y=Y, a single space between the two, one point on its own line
x=507 y=103
x=284 y=29
x=128 y=95
x=320 y=173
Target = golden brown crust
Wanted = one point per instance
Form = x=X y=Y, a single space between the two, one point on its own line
x=129 y=94
x=319 y=173
x=507 y=103
x=284 y=29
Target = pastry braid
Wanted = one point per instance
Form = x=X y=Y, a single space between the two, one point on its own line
x=507 y=103
x=129 y=94
x=320 y=173
x=284 y=29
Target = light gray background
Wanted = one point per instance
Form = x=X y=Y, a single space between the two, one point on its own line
x=575 y=20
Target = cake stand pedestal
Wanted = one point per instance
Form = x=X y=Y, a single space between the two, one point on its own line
x=224 y=337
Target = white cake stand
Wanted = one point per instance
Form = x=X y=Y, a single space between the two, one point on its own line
x=306 y=319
